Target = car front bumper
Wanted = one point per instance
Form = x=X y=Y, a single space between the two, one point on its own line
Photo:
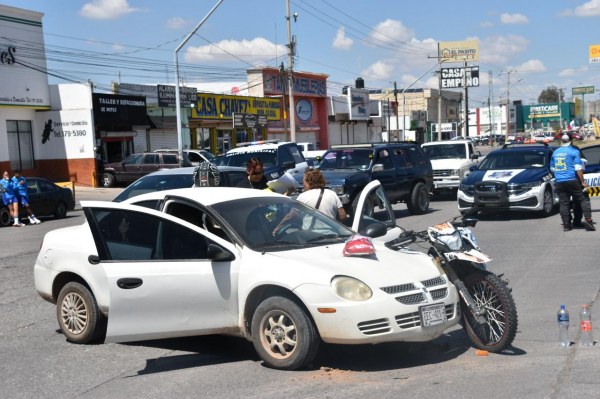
x=383 y=318
x=530 y=200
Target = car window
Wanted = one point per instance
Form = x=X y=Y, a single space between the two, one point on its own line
x=384 y=158
x=196 y=216
x=46 y=186
x=170 y=159
x=232 y=178
x=135 y=236
x=347 y=159
x=194 y=157
x=592 y=154
x=241 y=158
x=151 y=183
x=401 y=158
x=417 y=156
x=133 y=159
x=296 y=154
x=284 y=155
x=151 y=159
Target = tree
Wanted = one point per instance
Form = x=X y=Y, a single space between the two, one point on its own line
x=550 y=95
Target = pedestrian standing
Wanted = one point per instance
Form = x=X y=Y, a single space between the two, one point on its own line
x=322 y=199
x=568 y=172
x=20 y=184
x=9 y=198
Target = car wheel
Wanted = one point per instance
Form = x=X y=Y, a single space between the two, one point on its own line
x=5 y=217
x=77 y=313
x=418 y=202
x=60 y=211
x=283 y=334
x=108 y=180
x=547 y=203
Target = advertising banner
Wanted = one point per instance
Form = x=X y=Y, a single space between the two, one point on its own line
x=467 y=50
x=358 y=103
x=166 y=96
x=221 y=106
x=65 y=135
x=583 y=90
x=594 y=53
x=249 y=120
x=116 y=110
x=454 y=77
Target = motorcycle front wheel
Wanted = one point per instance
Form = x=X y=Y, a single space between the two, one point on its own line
x=492 y=294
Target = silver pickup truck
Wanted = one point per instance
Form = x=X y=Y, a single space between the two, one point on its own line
x=451 y=161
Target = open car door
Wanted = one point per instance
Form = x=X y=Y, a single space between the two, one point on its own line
x=374 y=215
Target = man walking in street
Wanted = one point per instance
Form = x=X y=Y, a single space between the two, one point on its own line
x=568 y=172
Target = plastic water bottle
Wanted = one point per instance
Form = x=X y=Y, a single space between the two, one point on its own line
x=563 y=326
x=586 y=326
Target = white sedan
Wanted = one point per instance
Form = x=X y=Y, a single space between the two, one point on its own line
x=207 y=261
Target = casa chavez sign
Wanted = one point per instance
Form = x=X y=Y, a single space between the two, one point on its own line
x=216 y=106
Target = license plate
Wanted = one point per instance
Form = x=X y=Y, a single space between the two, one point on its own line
x=432 y=315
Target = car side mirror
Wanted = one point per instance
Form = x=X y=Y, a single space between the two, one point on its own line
x=377 y=167
x=219 y=254
x=472 y=168
x=374 y=229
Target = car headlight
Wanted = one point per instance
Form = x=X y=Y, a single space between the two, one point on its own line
x=467 y=188
x=530 y=185
x=351 y=289
x=455 y=172
x=339 y=190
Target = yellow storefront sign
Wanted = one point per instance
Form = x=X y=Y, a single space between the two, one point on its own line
x=466 y=50
x=594 y=53
x=220 y=106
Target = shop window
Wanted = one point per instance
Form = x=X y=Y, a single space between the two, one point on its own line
x=20 y=144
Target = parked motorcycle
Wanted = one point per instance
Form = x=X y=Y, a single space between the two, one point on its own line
x=488 y=310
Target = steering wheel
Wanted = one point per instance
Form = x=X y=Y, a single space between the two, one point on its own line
x=280 y=232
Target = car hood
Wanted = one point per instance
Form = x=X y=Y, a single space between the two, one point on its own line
x=319 y=265
x=340 y=174
x=450 y=163
x=514 y=176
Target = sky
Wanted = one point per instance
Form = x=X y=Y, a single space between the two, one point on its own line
x=524 y=46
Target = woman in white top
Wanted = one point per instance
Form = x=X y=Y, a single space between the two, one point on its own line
x=322 y=199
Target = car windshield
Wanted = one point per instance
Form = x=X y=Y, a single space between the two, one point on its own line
x=446 y=151
x=241 y=158
x=151 y=183
x=278 y=224
x=346 y=159
x=503 y=159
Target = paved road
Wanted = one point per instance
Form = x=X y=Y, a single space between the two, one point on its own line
x=546 y=267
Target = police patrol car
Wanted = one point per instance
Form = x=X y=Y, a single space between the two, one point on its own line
x=592 y=168
x=516 y=177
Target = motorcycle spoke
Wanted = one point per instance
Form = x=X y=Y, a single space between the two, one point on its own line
x=488 y=299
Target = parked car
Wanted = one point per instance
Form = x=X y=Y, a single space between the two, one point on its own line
x=195 y=157
x=168 y=179
x=278 y=158
x=137 y=165
x=45 y=199
x=592 y=168
x=515 y=177
x=403 y=169
x=451 y=161
x=207 y=262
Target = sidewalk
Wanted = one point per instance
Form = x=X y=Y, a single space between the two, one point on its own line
x=84 y=193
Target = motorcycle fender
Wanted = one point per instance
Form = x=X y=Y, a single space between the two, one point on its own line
x=469 y=256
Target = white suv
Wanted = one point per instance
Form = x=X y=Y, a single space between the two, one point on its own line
x=451 y=161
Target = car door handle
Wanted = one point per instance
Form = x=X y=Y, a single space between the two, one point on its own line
x=129 y=283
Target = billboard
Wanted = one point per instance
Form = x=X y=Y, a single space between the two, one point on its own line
x=453 y=77
x=583 y=90
x=166 y=96
x=358 y=103
x=467 y=50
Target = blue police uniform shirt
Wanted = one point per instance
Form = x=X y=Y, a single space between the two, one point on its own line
x=20 y=189
x=565 y=163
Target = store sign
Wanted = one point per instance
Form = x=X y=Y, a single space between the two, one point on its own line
x=467 y=50
x=454 y=77
x=166 y=96
x=64 y=134
x=116 y=110
x=583 y=90
x=304 y=110
x=274 y=84
x=543 y=111
x=8 y=56
x=217 y=106
x=358 y=103
x=595 y=53
x=249 y=121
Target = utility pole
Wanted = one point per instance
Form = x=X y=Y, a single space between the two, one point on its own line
x=490 y=102
x=507 y=104
x=439 y=124
x=397 y=112
x=465 y=103
x=291 y=52
x=283 y=80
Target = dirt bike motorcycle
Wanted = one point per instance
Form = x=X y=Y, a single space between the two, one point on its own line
x=489 y=314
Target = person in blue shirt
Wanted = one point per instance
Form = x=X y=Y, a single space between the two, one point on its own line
x=568 y=173
x=20 y=184
x=9 y=197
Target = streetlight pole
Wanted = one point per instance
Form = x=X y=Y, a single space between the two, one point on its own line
x=291 y=45
x=177 y=96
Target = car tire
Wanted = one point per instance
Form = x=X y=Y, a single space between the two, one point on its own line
x=547 y=203
x=283 y=335
x=77 y=313
x=5 y=217
x=418 y=203
x=108 y=180
x=60 y=212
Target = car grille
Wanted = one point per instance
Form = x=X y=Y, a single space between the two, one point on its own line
x=372 y=327
x=442 y=173
x=439 y=280
x=413 y=319
x=412 y=299
x=396 y=289
x=439 y=294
